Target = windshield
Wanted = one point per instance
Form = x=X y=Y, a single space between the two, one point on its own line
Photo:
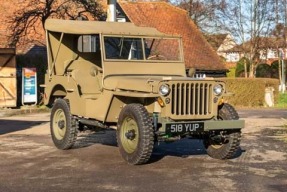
x=127 y=48
x=123 y=48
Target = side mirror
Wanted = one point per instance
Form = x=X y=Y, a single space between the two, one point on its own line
x=191 y=72
x=94 y=71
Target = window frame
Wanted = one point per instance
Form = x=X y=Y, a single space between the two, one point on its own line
x=180 y=49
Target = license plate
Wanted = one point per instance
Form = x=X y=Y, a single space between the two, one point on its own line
x=181 y=128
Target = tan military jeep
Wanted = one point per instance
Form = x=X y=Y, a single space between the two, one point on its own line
x=103 y=74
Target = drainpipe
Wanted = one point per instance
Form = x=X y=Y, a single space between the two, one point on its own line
x=112 y=13
x=283 y=86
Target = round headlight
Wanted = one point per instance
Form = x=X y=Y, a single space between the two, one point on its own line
x=218 y=89
x=164 y=89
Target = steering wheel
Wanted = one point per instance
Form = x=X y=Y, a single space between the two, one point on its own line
x=156 y=57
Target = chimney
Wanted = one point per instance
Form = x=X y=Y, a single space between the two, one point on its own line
x=112 y=11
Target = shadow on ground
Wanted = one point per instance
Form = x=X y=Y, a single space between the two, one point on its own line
x=182 y=148
x=88 y=138
x=9 y=126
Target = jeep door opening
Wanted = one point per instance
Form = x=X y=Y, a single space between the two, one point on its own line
x=103 y=74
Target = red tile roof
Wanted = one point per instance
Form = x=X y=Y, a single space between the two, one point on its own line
x=216 y=40
x=172 y=20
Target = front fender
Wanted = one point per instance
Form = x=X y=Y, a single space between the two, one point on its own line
x=120 y=99
x=58 y=86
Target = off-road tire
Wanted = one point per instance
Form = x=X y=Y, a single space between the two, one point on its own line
x=229 y=147
x=137 y=150
x=65 y=137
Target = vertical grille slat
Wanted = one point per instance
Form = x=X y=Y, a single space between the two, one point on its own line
x=191 y=99
x=203 y=100
x=185 y=87
x=206 y=100
x=175 y=98
x=180 y=99
x=209 y=98
x=188 y=97
x=198 y=99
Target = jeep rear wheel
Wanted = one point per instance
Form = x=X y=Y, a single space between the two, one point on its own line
x=223 y=144
x=63 y=126
x=135 y=134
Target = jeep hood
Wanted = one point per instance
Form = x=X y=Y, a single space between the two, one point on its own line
x=147 y=84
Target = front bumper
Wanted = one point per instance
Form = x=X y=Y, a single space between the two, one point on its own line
x=193 y=127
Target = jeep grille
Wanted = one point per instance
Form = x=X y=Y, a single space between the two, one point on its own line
x=191 y=99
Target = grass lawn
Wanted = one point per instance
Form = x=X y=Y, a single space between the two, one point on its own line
x=282 y=101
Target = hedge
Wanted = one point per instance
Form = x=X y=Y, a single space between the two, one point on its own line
x=249 y=92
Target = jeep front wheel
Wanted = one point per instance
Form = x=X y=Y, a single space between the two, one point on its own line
x=223 y=144
x=135 y=134
x=63 y=126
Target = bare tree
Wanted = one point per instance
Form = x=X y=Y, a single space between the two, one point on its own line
x=26 y=20
x=249 y=21
x=279 y=32
x=202 y=12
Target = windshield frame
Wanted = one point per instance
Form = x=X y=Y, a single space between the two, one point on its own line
x=180 y=49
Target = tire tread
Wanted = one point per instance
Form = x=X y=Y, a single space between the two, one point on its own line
x=228 y=150
x=144 y=151
x=72 y=126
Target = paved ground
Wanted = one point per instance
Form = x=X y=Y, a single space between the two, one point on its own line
x=30 y=162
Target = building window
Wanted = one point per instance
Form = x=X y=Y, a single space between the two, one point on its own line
x=232 y=57
x=272 y=54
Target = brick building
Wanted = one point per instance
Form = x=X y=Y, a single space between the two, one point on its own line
x=34 y=39
x=7 y=10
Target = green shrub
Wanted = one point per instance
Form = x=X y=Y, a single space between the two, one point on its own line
x=231 y=73
x=275 y=69
x=249 y=92
x=282 y=101
x=239 y=71
x=263 y=71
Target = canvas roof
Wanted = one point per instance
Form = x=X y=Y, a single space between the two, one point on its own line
x=169 y=19
x=92 y=27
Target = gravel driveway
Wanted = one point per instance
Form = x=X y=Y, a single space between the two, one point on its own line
x=30 y=162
